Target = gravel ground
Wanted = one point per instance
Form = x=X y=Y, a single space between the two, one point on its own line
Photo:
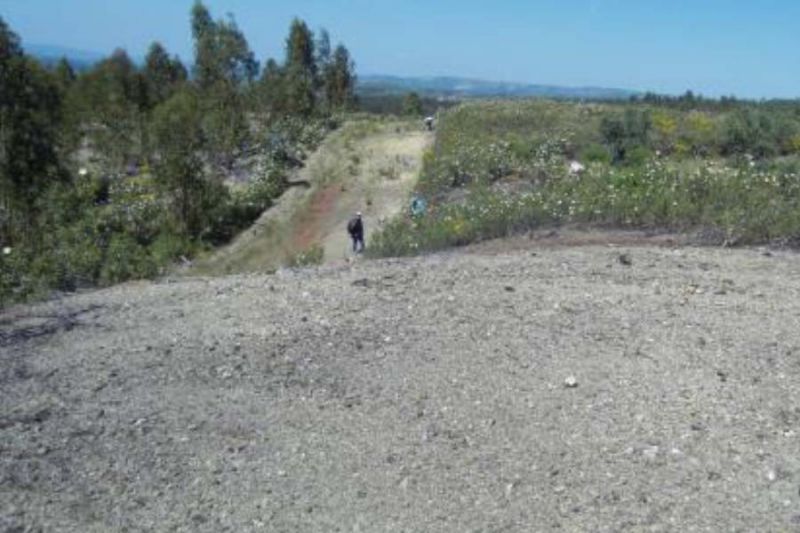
x=569 y=389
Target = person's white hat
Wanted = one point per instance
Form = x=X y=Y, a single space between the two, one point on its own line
x=358 y=214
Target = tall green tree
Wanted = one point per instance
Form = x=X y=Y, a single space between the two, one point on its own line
x=323 y=51
x=300 y=77
x=111 y=102
x=412 y=104
x=64 y=74
x=322 y=48
x=224 y=65
x=204 y=36
x=271 y=88
x=164 y=75
x=222 y=53
x=341 y=79
x=300 y=47
x=30 y=113
x=177 y=130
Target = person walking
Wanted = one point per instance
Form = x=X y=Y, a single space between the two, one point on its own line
x=355 y=227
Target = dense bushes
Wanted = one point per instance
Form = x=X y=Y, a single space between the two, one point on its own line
x=114 y=173
x=499 y=168
x=109 y=229
x=746 y=205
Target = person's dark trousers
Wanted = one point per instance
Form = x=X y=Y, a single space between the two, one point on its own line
x=358 y=243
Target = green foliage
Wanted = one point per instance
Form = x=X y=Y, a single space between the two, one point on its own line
x=30 y=114
x=151 y=146
x=298 y=91
x=313 y=79
x=595 y=153
x=392 y=104
x=322 y=47
x=637 y=156
x=753 y=132
x=163 y=75
x=178 y=134
x=126 y=259
x=64 y=75
x=340 y=80
x=300 y=70
x=271 y=90
x=224 y=63
x=499 y=168
x=310 y=257
x=224 y=124
x=222 y=54
x=412 y=105
x=623 y=133
x=300 y=48
x=109 y=103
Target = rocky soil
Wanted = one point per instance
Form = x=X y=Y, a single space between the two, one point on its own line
x=546 y=389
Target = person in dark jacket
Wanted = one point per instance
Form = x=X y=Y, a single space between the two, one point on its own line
x=356 y=230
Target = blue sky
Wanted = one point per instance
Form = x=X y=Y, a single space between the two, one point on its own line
x=744 y=47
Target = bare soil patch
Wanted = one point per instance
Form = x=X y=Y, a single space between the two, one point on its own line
x=555 y=389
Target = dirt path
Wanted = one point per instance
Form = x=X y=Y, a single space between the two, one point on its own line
x=389 y=164
x=367 y=166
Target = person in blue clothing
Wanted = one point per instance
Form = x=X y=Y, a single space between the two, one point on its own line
x=417 y=206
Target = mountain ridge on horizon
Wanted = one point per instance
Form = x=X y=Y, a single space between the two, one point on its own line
x=457 y=86
x=444 y=86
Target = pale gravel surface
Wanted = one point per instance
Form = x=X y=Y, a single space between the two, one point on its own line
x=415 y=395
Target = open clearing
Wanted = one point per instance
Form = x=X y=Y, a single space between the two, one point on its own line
x=367 y=165
x=423 y=394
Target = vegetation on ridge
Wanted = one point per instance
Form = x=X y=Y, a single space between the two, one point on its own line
x=729 y=168
x=116 y=172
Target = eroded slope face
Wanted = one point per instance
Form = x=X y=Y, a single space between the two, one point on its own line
x=414 y=395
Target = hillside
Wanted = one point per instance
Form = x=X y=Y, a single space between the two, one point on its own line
x=421 y=394
x=369 y=165
x=81 y=60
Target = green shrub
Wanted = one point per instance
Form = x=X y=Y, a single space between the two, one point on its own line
x=312 y=256
x=749 y=204
x=126 y=259
x=169 y=247
x=595 y=153
x=637 y=156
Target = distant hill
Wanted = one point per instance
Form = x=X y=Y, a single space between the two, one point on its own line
x=50 y=54
x=453 y=87
x=440 y=87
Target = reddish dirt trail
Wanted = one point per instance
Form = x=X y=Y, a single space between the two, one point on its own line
x=365 y=166
x=310 y=226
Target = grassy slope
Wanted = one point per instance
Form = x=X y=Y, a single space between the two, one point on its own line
x=501 y=168
x=368 y=165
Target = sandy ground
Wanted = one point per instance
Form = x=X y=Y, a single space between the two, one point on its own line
x=412 y=395
x=366 y=166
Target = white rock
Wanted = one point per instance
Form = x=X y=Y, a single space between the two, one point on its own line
x=576 y=168
x=650 y=452
x=571 y=382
